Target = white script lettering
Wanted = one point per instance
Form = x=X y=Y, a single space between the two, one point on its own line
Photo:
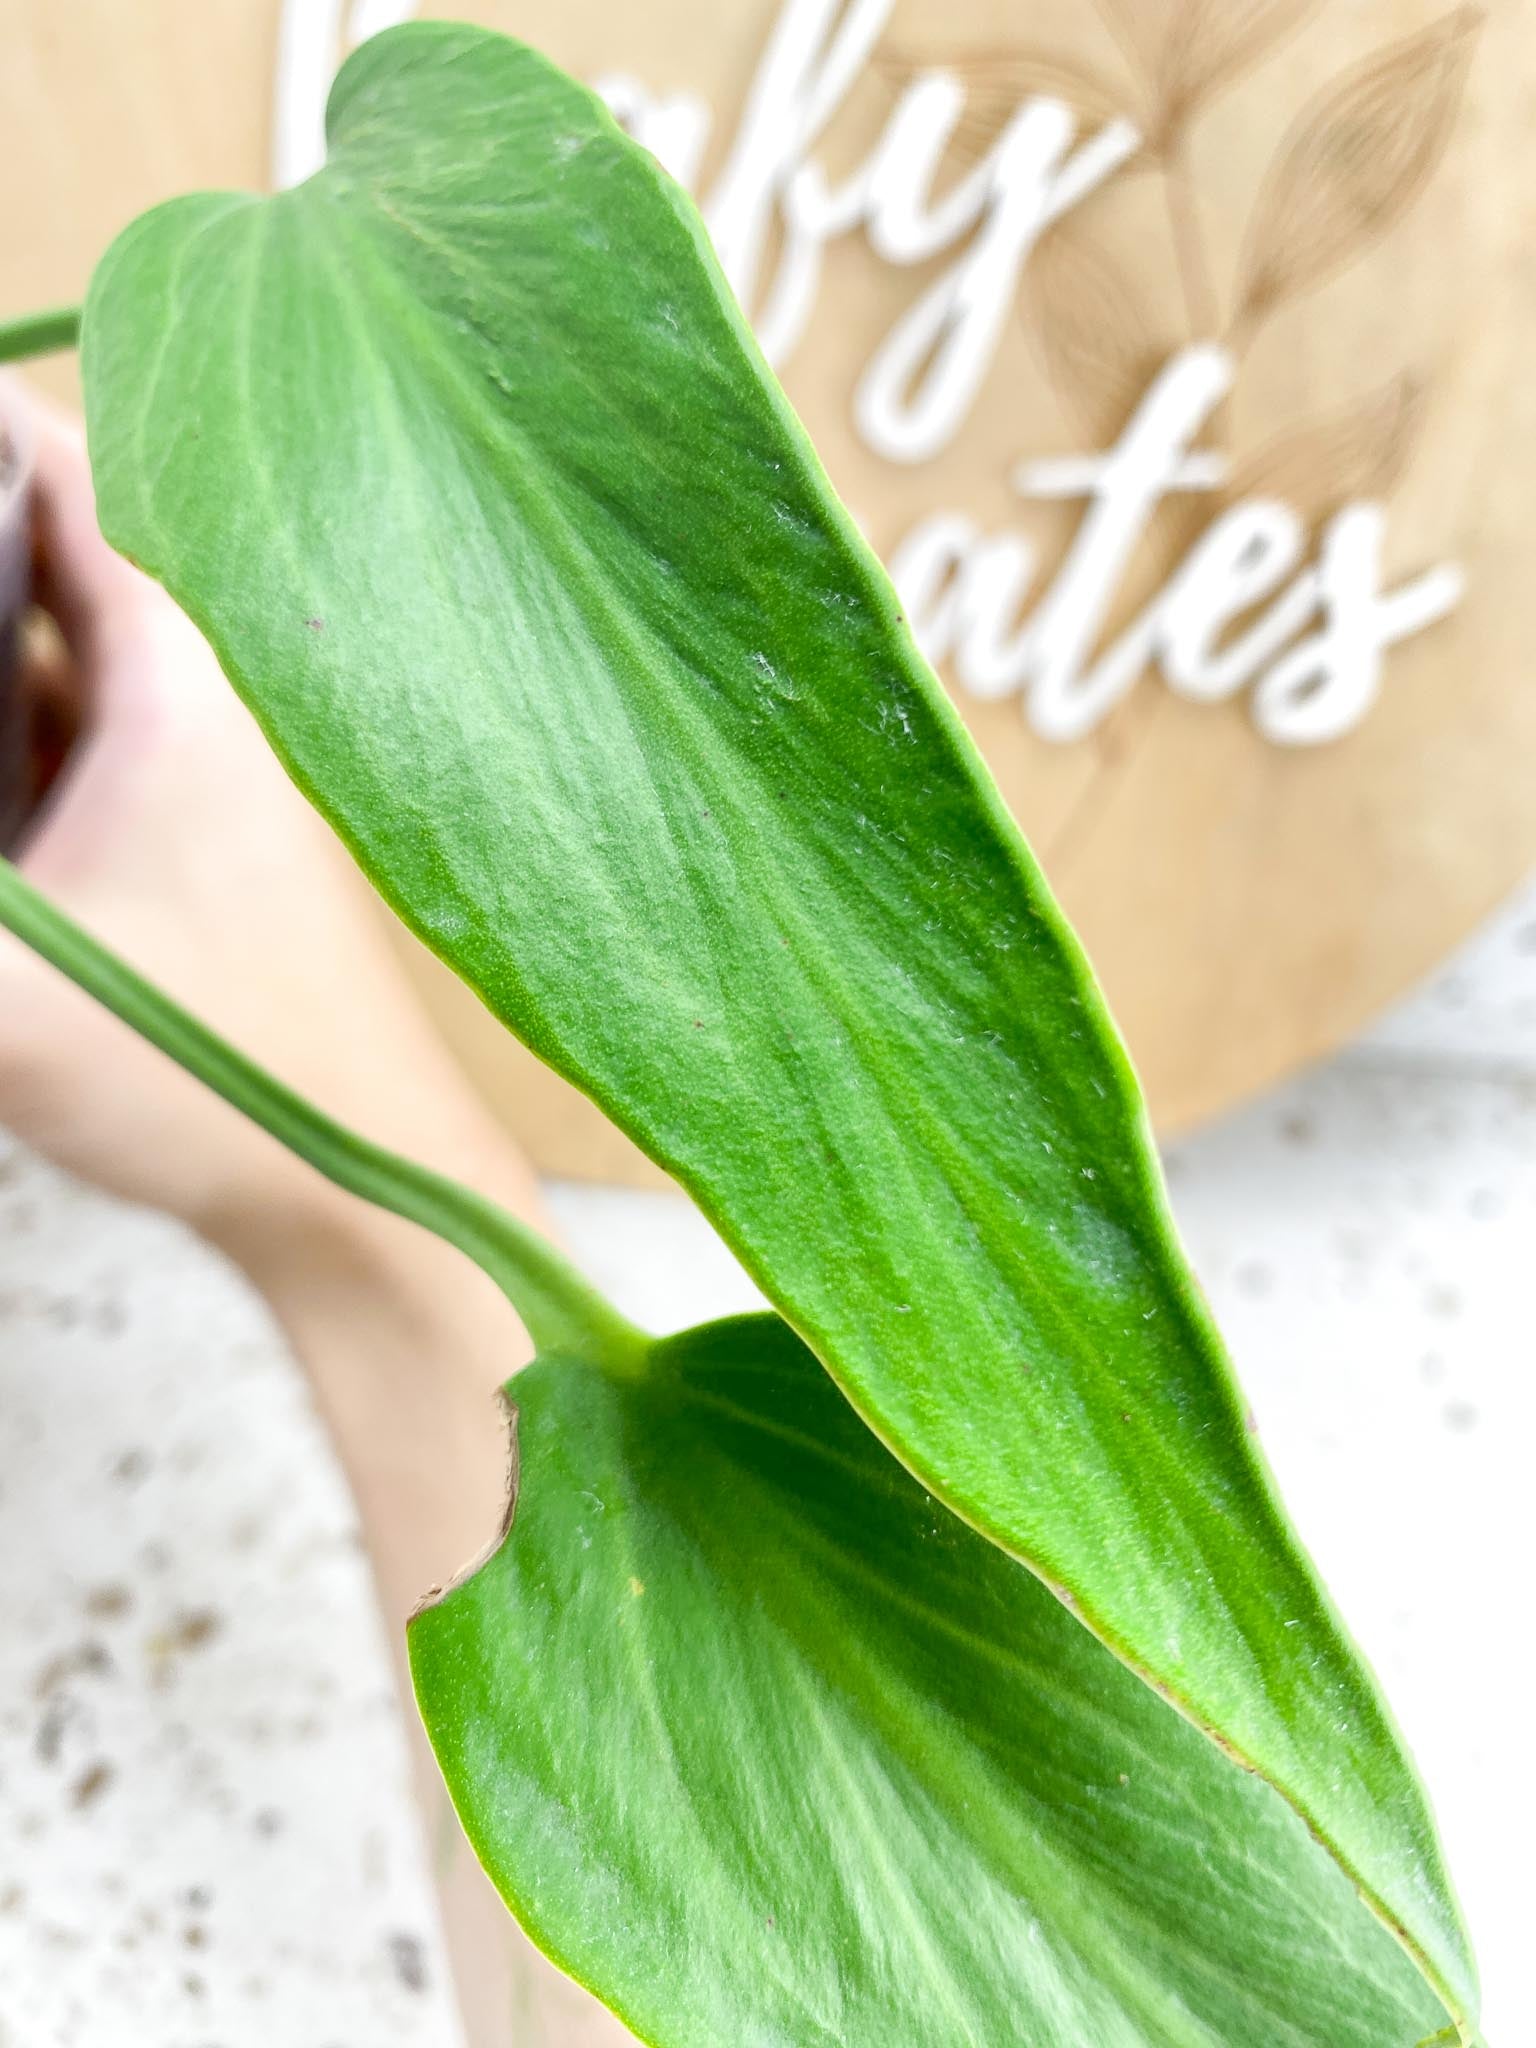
x=1244 y=608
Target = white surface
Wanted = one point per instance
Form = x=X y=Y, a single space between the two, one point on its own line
x=206 y=1834
x=206 y=1839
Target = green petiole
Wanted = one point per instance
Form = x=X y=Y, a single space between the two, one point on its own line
x=557 y=1307
x=39 y=334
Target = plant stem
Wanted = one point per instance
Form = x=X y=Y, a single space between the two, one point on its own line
x=557 y=1307
x=39 y=334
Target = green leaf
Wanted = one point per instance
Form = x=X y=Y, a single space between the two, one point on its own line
x=463 y=459
x=993 y=1822
x=767 y=1748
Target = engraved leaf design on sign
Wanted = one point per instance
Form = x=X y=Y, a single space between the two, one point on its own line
x=1187 y=50
x=1095 y=335
x=1361 y=451
x=998 y=81
x=1210 y=44
x=1355 y=162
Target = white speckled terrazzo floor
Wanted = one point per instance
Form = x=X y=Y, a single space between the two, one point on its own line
x=206 y=1839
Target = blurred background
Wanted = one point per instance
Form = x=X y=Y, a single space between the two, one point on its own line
x=1299 y=858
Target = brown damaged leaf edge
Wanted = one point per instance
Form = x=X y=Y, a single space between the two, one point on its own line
x=436 y=1595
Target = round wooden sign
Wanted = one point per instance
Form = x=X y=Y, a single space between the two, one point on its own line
x=1170 y=351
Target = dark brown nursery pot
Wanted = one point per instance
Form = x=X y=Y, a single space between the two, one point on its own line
x=15 y=591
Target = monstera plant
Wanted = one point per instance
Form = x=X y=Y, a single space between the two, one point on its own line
x=928 y=1661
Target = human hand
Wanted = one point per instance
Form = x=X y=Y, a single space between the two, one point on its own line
x=175 y=838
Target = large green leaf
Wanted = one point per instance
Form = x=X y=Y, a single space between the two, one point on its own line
x=766 y=1746
x=769 y=1749
x=463 y=459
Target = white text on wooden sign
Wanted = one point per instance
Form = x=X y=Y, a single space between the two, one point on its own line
x=1253 y=606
